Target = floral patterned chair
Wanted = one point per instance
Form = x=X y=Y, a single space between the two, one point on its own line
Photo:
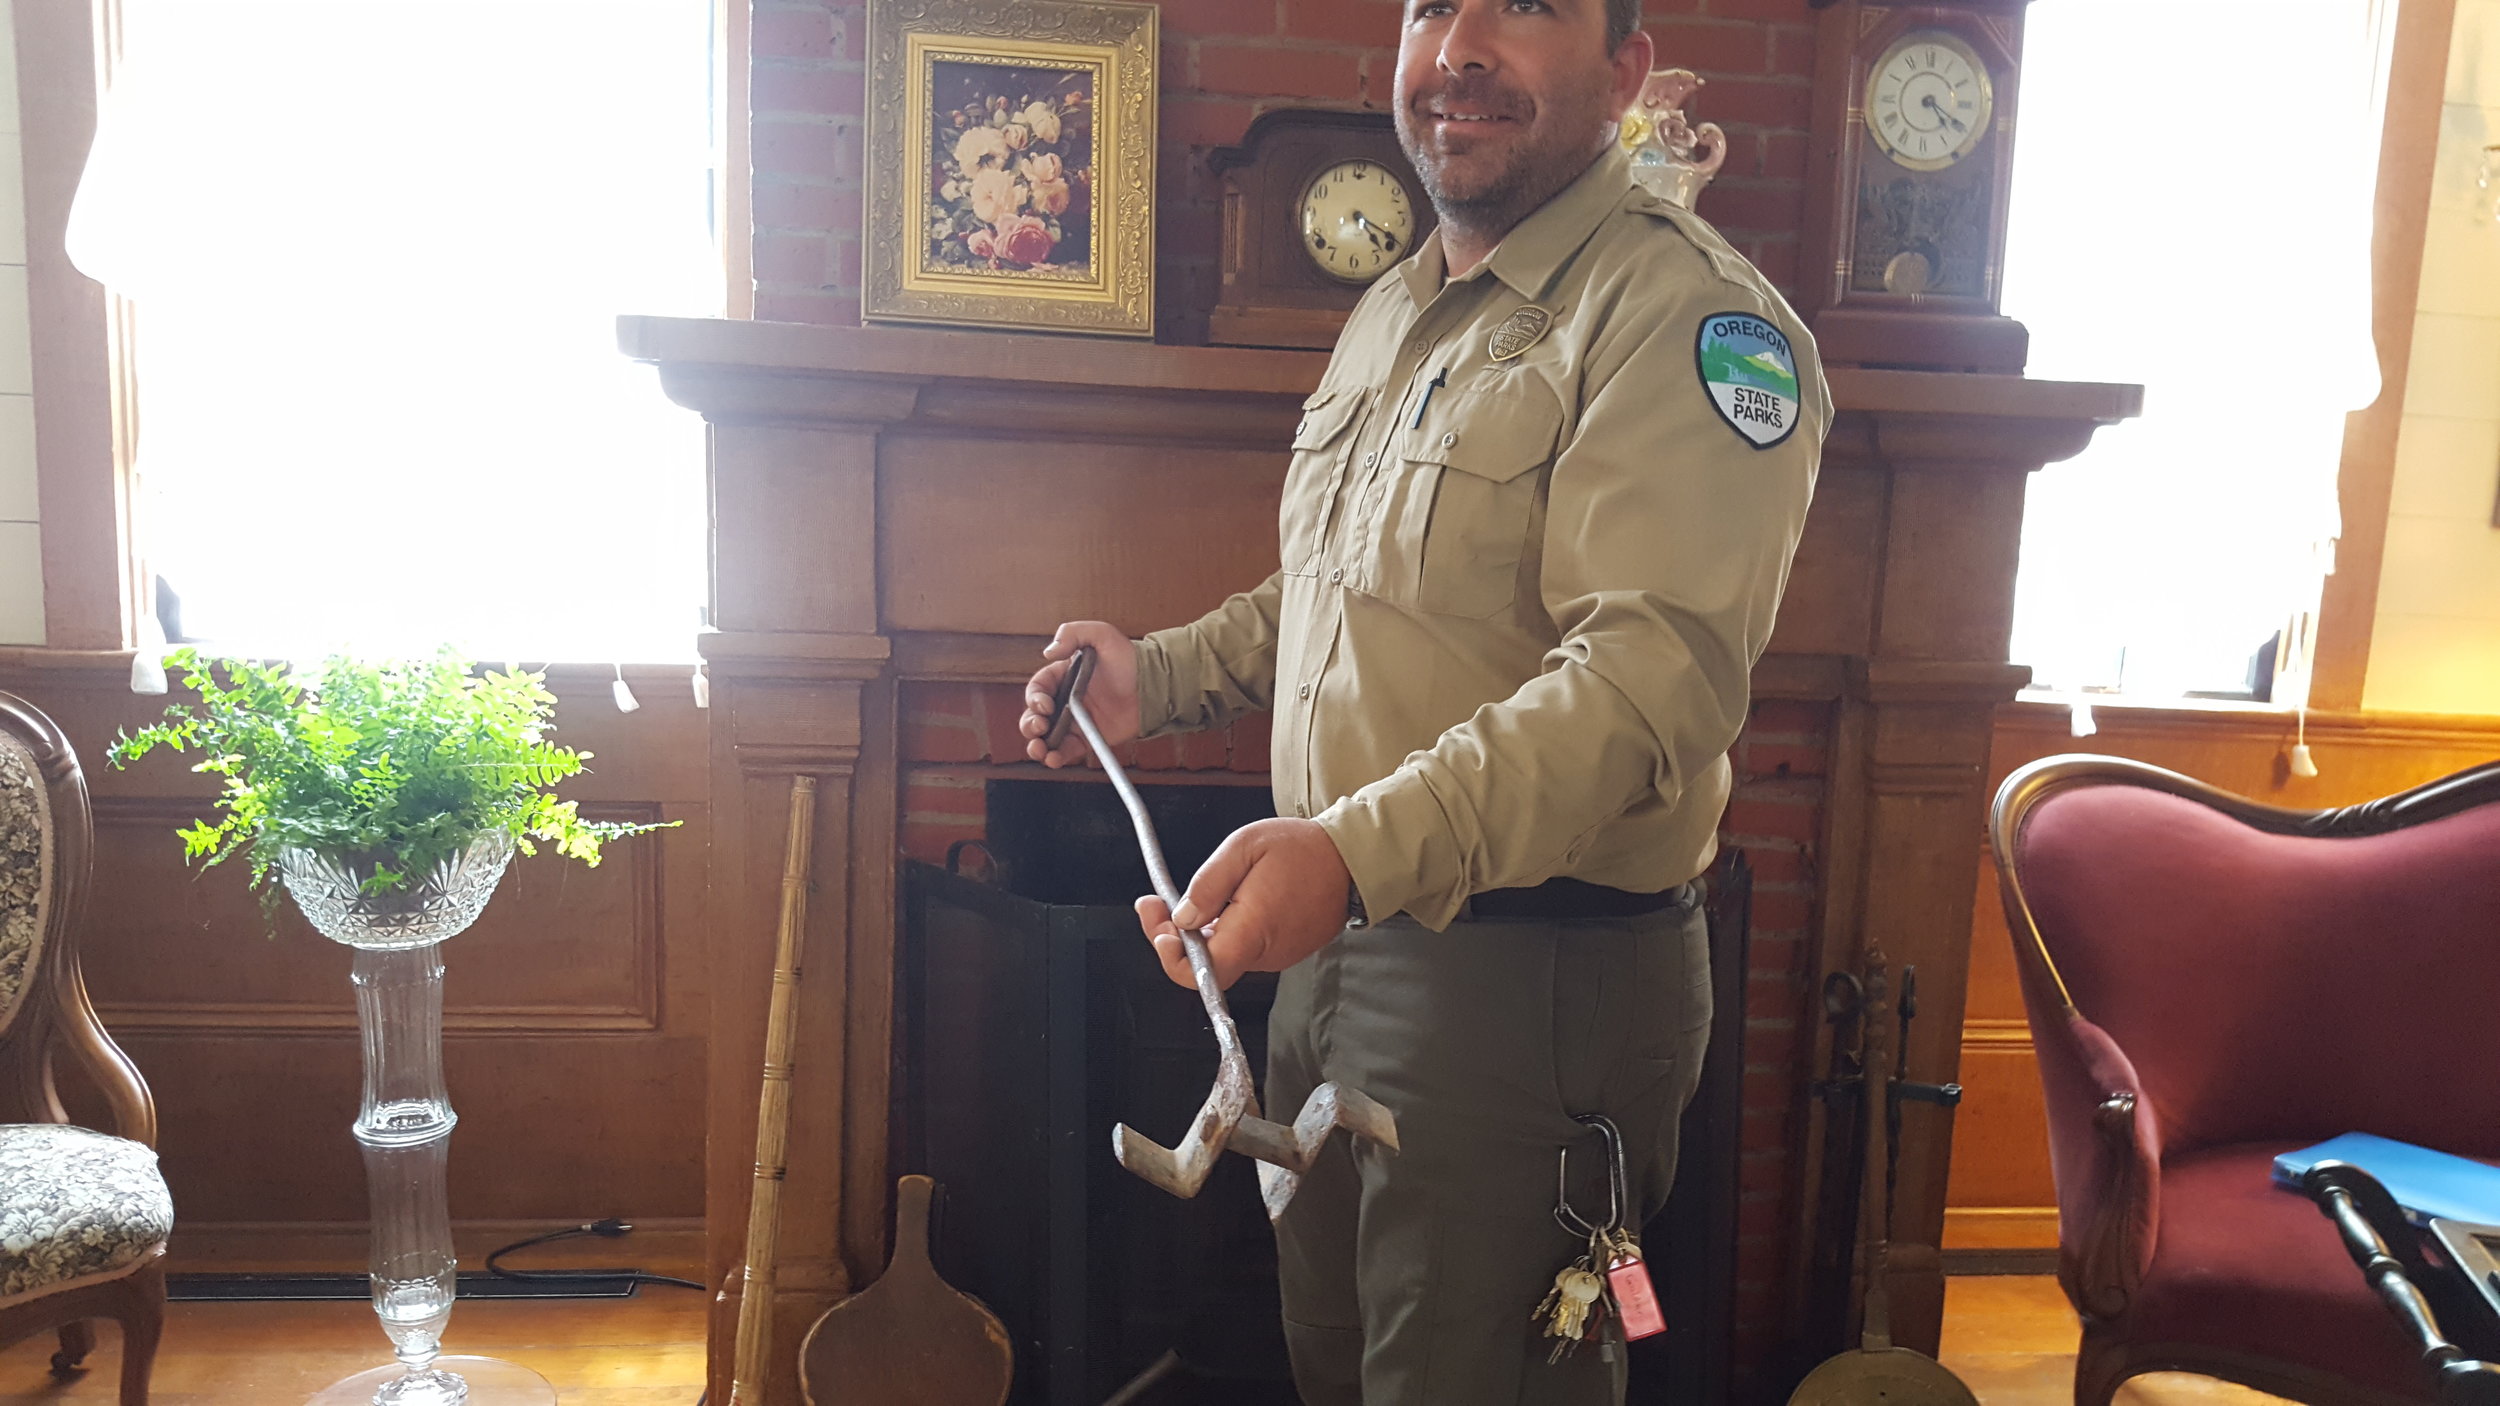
x=83 y=1216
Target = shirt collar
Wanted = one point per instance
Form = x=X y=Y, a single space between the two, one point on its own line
x=1532 y=253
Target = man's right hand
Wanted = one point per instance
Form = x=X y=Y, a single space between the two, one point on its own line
x=1111 y=696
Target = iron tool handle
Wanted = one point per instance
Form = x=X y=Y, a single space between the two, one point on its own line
x=1080 y=672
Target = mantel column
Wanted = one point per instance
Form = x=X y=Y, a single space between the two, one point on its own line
x=800 y=686
x=1913 y=737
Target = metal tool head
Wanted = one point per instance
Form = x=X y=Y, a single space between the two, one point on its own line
x=1286 y=1152
x=1182 y=1170
x=1230 y=1117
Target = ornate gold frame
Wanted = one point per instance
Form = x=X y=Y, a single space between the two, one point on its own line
x=1119 y=43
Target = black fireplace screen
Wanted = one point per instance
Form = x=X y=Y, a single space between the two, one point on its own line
x=1034 y=1018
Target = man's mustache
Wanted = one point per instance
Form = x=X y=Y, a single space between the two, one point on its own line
x=1474 y=93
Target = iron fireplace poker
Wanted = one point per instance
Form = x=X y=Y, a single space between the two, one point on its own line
x=1230 y=1117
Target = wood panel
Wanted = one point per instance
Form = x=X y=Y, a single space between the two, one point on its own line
x=577 y=1009
x=2001 y=1191
x=1830 y=605
x=561 y=947
x=988 y=538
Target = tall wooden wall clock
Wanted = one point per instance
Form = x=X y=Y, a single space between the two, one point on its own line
x=1910 y=173
x=1317 y=205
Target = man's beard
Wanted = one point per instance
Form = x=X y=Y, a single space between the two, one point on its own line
x=1554 y=149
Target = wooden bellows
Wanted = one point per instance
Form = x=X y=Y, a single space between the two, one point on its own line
x=908 y=1339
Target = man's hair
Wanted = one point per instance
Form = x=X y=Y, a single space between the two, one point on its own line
x=1622 y=17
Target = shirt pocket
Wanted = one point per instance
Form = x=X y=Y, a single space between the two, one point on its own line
x=1320 y=446
x=1455 y=523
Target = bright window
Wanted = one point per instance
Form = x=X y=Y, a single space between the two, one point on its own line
x=2192 y=211
x=377 y=249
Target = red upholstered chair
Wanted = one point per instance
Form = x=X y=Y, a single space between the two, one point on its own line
x=2212 y=982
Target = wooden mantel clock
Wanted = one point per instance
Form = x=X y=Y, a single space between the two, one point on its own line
x=1910 y=172
x=1317 y=205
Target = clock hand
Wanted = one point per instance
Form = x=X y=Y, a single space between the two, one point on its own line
x=1381 y=239
x=1938 y=108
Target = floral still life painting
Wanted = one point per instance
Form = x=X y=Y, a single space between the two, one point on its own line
x=1011 y=165
x=1011 y=169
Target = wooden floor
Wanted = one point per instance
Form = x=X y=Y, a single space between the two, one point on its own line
x=642 y=1351
x=2011 y=1338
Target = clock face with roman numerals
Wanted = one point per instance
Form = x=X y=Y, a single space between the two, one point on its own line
x=1357 y=221
x=1929 y=101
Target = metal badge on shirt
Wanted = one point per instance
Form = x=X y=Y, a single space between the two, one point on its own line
x=1750 y=371
x=1520 y=331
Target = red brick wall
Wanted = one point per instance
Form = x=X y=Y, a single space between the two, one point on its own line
x=1776 y=818
x=956 y=735
x=1224 y=62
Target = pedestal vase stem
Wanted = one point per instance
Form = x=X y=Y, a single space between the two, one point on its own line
x=405 y=1128
x=406 y=1120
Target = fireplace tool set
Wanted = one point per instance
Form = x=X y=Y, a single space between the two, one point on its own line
x=1878 y=1370
x=1230 y=1118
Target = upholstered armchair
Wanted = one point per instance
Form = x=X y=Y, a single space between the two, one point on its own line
x=2212 y=982
x=83 y=1215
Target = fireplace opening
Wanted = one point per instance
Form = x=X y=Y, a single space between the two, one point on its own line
x=1033 y=1018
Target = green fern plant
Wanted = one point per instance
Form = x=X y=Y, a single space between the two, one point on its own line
x=405 y=761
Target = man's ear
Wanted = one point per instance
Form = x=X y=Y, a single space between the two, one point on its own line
x=1632 y=63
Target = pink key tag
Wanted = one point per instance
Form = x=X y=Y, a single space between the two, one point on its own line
x=1635 y=1303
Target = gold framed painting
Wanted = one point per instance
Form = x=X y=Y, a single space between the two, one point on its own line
x=1011 y=164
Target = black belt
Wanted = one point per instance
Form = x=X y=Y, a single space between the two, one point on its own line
x=1565 y=898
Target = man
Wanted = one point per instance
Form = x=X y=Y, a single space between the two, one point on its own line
x=1536 y=526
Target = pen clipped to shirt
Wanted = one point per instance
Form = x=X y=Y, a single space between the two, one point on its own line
x=1440 y=379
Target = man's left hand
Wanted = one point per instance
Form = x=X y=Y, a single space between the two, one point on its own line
x=1272 y=894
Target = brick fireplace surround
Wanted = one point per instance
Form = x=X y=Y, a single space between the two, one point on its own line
x=900 y=517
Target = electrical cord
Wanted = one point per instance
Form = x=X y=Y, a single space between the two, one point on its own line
x=611 y=1228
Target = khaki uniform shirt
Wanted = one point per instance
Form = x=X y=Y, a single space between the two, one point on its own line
x=1523 y=590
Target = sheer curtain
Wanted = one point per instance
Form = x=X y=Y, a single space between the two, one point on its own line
x=377 y=250
x=2192 y=211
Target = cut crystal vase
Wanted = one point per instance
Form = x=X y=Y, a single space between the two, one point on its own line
x=405 y=1122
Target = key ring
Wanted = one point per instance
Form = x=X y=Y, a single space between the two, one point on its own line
x=1618 y=1189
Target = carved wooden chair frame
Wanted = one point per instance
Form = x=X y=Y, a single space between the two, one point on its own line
x=54 y=1012
x=2098 y=1279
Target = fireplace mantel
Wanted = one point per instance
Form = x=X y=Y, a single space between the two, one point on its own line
x=892 y=505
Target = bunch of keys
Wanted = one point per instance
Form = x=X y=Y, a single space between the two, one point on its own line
x=1611 y=1276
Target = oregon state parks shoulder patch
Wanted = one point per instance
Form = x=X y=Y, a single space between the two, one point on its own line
x=1750 y=371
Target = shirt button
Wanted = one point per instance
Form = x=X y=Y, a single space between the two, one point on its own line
x=1301 y=810
x=1305 y=691
x=1301 y=429
x=1371 y=460
x=1336 y=576
x=1448 y=440
x=1419 y=346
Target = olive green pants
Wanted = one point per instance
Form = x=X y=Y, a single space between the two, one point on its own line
x=1410 y=1278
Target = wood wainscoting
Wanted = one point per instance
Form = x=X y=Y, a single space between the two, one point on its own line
x=2001 y=1202
x=577 y=1009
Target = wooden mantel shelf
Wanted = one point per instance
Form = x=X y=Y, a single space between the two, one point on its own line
x=917 y=355
x=894 y=504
